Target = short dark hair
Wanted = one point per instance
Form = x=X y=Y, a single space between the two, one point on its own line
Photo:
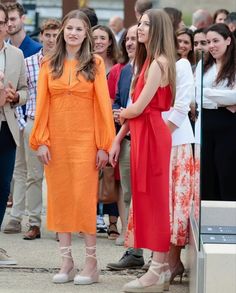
x=3 y=8
x=141 y=6
x=16 y=6
x=199 y=31
x=175 y=16
x=231 y=18
x=50 y=24
x=91 y=14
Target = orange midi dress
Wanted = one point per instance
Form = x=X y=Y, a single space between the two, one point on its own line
x=74 y=119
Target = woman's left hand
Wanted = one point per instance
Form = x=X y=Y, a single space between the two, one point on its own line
x=102 y=159
x=232 y=108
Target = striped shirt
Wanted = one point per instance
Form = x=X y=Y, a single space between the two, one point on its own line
x=32 y=71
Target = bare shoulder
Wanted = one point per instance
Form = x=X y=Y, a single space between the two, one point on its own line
x=162 y=61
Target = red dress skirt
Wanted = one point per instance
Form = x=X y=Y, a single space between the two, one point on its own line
x=150 y=161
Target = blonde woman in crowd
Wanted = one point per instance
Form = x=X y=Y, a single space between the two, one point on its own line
x=72 y=134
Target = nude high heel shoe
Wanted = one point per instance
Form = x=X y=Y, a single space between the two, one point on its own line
x=177 y=271
x=137 y=286
x=65 y=277
x=94 y=276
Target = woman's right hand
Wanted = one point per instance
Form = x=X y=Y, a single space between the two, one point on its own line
x=114 y=153
x=43 y=154
x=116 y=115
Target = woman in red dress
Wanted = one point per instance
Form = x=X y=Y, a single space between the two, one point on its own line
x=154 y=87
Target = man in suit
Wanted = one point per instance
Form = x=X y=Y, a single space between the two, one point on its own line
x=13 y=94
x=48 y=34
x=116 y=24
x=132 y=258
x=19 y=39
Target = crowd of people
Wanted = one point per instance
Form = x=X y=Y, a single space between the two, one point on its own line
x=88 y=95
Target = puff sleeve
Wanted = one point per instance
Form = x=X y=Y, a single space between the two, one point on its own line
x=104 y=123
x=184 y=92
x=40 y=132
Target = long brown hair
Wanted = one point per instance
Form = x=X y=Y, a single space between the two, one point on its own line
x=228 y=66
x=189 y=33
x=113 y=52
x=161 y=42
x=86 y=61
x=217 y=12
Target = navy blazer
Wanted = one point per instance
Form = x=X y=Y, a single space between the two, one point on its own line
x=123 y=87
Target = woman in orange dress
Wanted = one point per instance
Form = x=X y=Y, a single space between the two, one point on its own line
x=72 y=134
x=154 y=87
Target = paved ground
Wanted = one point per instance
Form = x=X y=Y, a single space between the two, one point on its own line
x=38 y=260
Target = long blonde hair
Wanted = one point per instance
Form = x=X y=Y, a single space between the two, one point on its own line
x=86 y=61
x=161 y=42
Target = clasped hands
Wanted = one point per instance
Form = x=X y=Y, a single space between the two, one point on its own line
x=117 y=117
x=8 y=95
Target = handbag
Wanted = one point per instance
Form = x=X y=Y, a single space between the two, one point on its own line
x=108 y=189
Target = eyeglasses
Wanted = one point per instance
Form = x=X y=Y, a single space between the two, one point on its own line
x=2 y=23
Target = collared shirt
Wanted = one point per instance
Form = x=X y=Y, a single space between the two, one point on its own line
x=32 y=71
x=214 y=96
x=119 y=35
x=29 y=47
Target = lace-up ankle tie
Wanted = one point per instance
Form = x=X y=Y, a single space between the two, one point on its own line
x=65 y=277
x=94 y=275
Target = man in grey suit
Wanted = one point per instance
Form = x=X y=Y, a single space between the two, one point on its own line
x=13 y=94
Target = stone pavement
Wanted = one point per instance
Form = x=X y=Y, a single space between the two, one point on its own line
x=38 y=260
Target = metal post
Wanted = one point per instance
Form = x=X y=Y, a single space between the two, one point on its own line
x=67 y=6
x=8 y=1
x=129 y=15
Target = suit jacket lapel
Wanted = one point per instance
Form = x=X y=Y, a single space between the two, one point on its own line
x=7 y=63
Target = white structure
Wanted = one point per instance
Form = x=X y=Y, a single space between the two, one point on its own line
x=213 y=266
